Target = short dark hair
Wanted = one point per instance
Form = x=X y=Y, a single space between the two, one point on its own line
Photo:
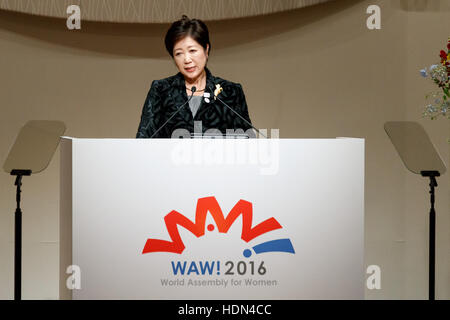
x=184 y=27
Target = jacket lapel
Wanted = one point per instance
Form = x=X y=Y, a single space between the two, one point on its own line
x=204 y=106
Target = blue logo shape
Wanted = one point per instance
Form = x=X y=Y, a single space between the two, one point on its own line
x=279 y=245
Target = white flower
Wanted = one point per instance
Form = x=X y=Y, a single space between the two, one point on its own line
x=217 y=91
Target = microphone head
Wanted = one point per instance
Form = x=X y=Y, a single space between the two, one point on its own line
x=193 y=89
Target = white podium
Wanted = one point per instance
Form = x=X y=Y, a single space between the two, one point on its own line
x=212 y=219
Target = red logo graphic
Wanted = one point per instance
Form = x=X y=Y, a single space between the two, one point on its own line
x=205 y=205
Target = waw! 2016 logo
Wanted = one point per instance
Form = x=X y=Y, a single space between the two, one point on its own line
x=242 y=208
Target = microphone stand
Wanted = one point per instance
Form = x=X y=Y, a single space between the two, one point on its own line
x=226 y=105
x=193 y=89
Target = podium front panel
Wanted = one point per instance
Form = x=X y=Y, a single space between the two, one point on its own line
x=213 y=219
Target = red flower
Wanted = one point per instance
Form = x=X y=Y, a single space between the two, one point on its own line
x=443 y=55
x=448 y=46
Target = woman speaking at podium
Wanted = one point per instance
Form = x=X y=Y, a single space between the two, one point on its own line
x=193 y=100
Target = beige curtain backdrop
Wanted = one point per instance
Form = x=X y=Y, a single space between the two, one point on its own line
x=314 y=72
x=155 y=11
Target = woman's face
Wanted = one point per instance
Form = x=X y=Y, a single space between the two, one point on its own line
x=190 y=57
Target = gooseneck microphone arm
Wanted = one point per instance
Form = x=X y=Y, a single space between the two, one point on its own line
x=193 y=89
x=226 y=105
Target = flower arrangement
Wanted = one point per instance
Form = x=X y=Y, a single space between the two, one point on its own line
x=439 y=101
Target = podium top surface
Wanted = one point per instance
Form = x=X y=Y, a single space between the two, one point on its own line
x=163 y=139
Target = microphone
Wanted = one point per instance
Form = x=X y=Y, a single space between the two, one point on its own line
x=193 y=89
x=226 y=105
